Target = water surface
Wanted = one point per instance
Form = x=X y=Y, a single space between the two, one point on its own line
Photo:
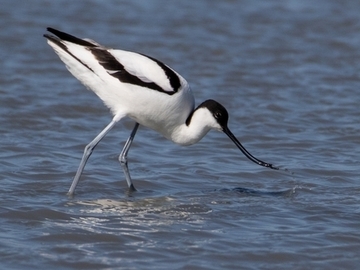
x=288 y=73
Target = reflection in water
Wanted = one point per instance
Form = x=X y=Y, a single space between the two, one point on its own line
x=253 y=192
x=137 y=215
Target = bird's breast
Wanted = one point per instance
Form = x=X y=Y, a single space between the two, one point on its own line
x=162 y=112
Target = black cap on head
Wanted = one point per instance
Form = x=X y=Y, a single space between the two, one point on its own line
x=219 y=112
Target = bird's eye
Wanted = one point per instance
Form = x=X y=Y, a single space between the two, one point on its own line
x=217 y=115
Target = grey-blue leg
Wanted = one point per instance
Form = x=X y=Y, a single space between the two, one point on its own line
x=123 y=157
x=87 y=153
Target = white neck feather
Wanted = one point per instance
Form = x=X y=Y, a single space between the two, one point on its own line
x=201 y=123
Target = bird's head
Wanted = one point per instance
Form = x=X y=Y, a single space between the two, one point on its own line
x=217 y=118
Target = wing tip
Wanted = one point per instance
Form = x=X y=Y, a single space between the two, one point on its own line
x=67 y=37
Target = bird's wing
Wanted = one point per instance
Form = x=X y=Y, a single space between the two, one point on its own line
x=139 y=69
x=129 y=67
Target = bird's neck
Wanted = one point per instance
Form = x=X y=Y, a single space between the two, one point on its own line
x=193 y=130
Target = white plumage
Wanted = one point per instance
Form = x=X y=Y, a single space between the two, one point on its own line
x=142 y=88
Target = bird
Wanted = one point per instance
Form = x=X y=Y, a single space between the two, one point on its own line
x=144 y=89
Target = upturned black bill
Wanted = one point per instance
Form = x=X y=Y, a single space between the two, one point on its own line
x=246 y=153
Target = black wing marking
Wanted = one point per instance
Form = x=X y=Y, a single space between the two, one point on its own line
x=171 y=75
x=63 y=36
x=117 y=70
x=110 y=63
x=70 y=38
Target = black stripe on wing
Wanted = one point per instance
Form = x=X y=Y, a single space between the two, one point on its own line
x=171 y=75
x=58 y=42
x=117 y=70
x=70 y=38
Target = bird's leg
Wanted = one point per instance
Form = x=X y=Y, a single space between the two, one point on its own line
x=123 y=157
x=87 y=153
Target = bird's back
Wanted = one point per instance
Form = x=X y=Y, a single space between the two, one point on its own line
x=130 y=84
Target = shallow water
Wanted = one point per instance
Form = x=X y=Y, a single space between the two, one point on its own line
x=288 y=73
